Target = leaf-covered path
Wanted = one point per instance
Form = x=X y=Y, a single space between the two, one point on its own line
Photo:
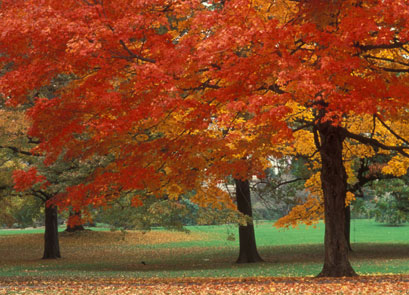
x=360 y=285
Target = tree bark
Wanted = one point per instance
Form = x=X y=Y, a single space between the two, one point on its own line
x=247 y=240
x=76 y=227
x=51 y=242
x=348 y=226
x=334 y=186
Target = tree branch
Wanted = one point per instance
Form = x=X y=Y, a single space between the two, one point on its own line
x=391 y=131
x=375 y=143
x=274 y=87
x=309 y=124
x=16 y=150
x=288 y=182
x=203 y=86
x=380 y=46
x=133 y=55
x=386 y=59
x=394 y=70
x=42 y=195
x=364 y=179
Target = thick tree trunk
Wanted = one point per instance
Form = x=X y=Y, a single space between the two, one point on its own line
x=51 y=243
x=334 y=186
x=348 y=226
x=76 y=227
x=248 y=249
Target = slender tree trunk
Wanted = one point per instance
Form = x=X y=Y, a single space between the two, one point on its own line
x=77 y=227
x=248 y=249
x=348 y=226
x=334 y=186
x=51 y=243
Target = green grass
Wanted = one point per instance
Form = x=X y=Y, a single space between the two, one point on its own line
x=6 y=232
x=38 y=230
x=205 y=252
x=362 y=231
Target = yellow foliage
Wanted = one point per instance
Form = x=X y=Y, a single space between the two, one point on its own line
x=350 y=172
x=304 y=143
x=359 y=123
x=213 y=196
x=313 y=184
x=309 y=213
x=281 y=10
x=397 y=166
x=142 y=137
x=298 y=112
x=174 y=191
x=349 y=198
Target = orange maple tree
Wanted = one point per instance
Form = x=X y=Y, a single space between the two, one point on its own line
x=321 y=59
x=183 y=93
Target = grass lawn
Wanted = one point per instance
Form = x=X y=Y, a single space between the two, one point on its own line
x=204 y=252
x=201 y=262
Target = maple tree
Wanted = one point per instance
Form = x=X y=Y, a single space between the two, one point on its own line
x=47 y=182
x=322 y=61
x=27 y=177
x=15 y=147
x=183 y=93
x=138 y=133
x=364 y=166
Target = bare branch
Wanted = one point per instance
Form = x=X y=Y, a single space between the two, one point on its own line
x=288 y=182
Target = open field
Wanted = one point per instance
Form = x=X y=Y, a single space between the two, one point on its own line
x=141 y=258
x=204 y=252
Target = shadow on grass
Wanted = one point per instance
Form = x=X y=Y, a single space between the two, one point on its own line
x=222 y=260
x=175 y=254
x=379 y=251
x=392 y=225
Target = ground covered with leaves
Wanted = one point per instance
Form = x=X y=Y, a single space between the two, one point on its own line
x=200 y=262
x=205 y=252
x=267 y=285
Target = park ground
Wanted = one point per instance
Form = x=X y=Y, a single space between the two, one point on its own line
x=202 y=262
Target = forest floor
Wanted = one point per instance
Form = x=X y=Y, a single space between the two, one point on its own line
x=202 y=262
x=368 y=285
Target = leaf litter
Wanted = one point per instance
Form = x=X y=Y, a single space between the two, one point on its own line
x=396 y=284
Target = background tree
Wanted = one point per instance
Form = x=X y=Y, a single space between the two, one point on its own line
x=391 y=204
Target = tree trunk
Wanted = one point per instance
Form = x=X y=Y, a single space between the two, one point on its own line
x=348 y=226
x=51 y=243
x=334 y=186
x=76 y=227
x=247 y=239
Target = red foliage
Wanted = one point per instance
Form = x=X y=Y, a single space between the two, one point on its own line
x=24 y=180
